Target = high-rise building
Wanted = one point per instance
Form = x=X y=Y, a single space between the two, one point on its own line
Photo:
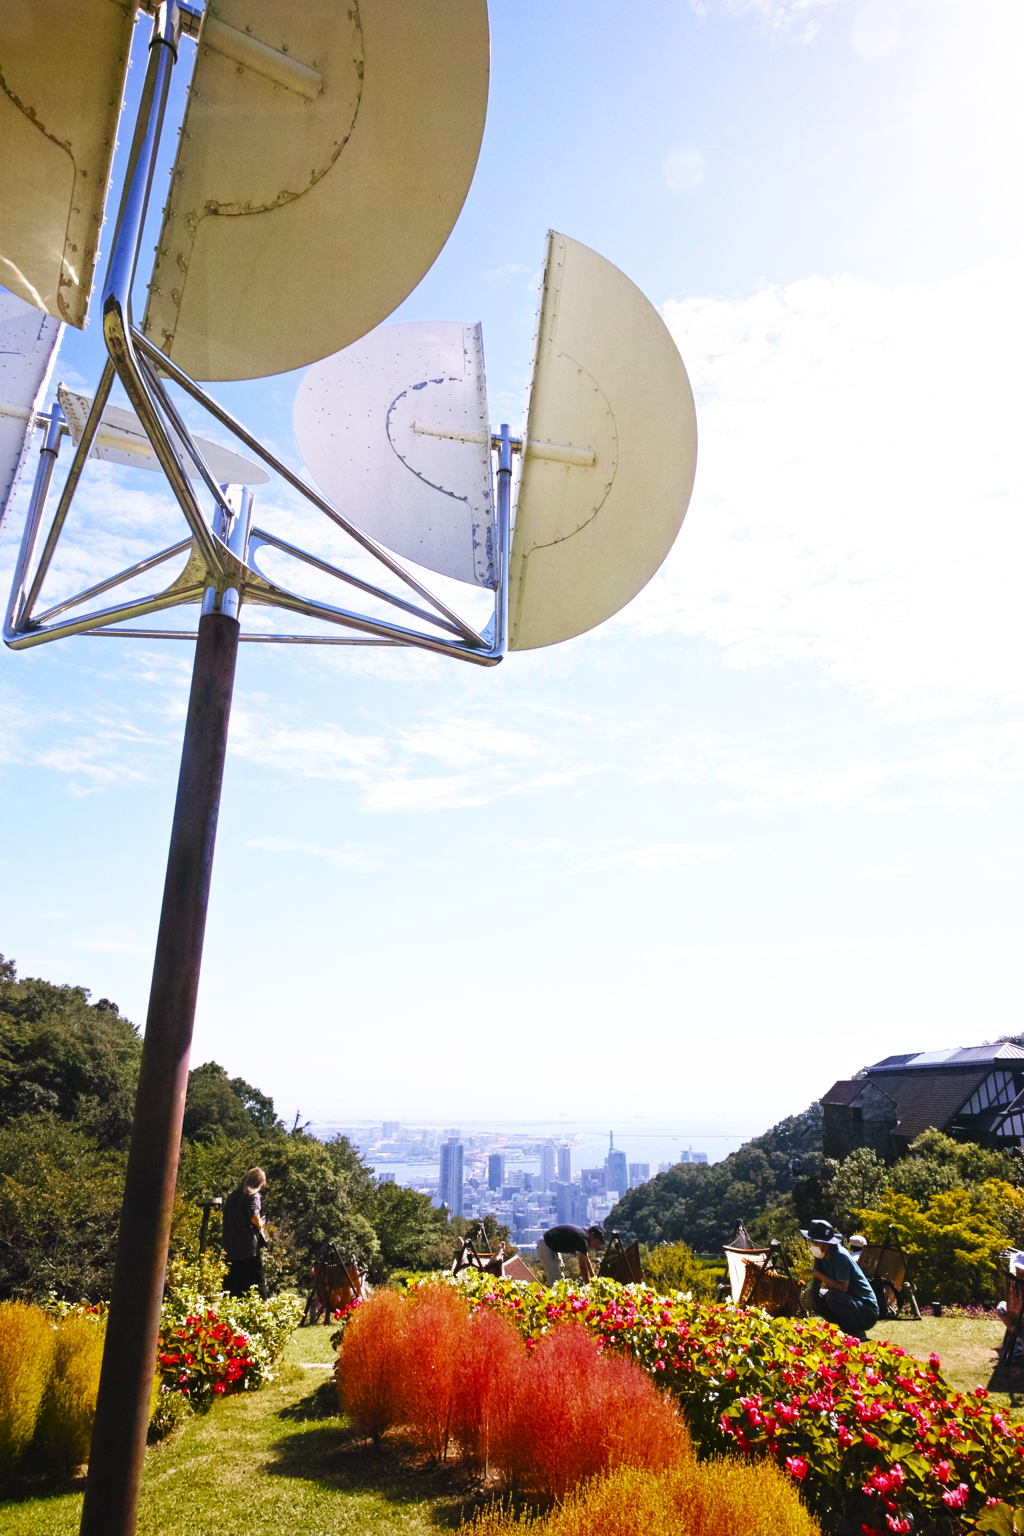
x=571 y=1205
x=616 y=1172
x=592 y=1181
x=690 y=1156
x=385 y=1178
x=639 y=1173
x=547 y=1166
x=565 y=1165
x=496 y=1170
x=391 y=1129
x=450 y=1184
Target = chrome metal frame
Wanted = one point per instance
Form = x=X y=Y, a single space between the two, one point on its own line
x=221 y=572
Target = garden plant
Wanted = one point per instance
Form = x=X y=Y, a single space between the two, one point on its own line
x=869 y=1434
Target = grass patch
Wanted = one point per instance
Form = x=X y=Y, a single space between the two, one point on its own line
x=969 y=1350
x=268 y=1462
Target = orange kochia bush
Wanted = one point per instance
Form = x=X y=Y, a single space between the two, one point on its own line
x=544 y=1418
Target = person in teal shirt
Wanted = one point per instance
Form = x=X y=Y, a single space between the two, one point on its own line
x=845 y=1296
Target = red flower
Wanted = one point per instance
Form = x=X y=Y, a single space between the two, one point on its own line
x=897 y=1525
x=796 y=1466
x=218 y=1387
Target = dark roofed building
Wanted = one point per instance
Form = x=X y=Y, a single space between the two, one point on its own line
x=975 y=1093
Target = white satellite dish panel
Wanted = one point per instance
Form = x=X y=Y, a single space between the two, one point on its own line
x=28 y=351
x=610 y=451
x=325 y=155
x=64 y=68
x=121 y=440
x=395 y=431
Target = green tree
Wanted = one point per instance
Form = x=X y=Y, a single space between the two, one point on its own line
x=60 y=1203
x=62 y=1055
x=410 y=1232
x=218 y=1106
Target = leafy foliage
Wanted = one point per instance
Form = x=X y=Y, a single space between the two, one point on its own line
x=954 y=1243
x=219 y=1106
x=673 y=1267
x=63 y=1056
x=60 y=1202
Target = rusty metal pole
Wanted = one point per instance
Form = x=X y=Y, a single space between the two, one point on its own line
x=129 y=1355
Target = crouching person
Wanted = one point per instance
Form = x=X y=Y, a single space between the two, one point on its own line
x=581 y=1241
x=844 y=1293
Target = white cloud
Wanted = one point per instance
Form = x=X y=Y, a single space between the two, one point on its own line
x=857 y=499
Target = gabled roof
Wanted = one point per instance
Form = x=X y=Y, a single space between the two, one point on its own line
x=924 y=1099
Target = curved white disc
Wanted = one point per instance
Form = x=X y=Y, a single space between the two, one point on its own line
x=326 y=152
x=121 y=440
x=610 y=455
x=28 y=351
x=64 y=69
x=394 y=430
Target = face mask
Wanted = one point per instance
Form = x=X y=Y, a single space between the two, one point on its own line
x=818 y=1253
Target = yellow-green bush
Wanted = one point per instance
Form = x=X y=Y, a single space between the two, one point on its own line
x=26 y=1350
x=69 y=1401
x=674 y=1267
x=709 y=1498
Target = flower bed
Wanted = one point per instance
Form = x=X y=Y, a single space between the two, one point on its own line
x=869 y=1433
x=211 y=1343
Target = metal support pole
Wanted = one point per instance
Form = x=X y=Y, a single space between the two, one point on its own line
x=129 y=1356
x=504 y=444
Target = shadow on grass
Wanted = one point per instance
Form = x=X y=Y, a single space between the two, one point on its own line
x=38 y=1486
x=334 y=1456
x=321 y=1404
x=1009 y=1379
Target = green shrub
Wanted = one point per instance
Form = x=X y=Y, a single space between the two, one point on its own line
x=674 y=1267
x=26 y=1348
x=953 y=1244
x=68 y=1409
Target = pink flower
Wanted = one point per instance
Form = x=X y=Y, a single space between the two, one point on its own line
x=935 y=1362
x=796 y=1466
x=956 y=1498
x=943 y=1470
x=895 y=1524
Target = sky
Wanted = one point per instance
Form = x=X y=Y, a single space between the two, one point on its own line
x=761 y=828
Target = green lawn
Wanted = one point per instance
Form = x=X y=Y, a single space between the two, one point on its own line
x=280 y=1463
x=968 y=1348
x=271 y=1463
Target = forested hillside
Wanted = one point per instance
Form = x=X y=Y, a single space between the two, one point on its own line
x=68 y=1071
x=701 y=1203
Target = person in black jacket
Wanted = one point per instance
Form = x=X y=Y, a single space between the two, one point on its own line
x=582 y=1241
x=245 y=1235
